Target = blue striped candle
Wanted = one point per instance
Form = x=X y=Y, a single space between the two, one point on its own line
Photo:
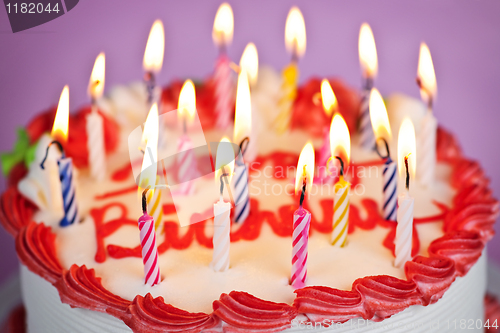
x=390 y=185
x=367 y=138
x=242 y=203
x=68 y=191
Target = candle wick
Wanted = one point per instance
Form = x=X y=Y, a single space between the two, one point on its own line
x=149 y=77
x=368 y=82
x=246 y=142
x=184 y=125
x=407 y=173
x=388 y=154
x=430 y=100
x=295 y=53
x=61 y=149
x=144 y=200
x=341 y=166
x=304 y=183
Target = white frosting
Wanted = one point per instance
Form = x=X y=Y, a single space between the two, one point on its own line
x=261 y=267
x=463 y=300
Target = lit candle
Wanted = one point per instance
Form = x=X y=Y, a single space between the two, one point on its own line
x=382 y=130
x=147 y=181
x=369 y=65
x=153 y=197
x=301 y=218
x=94 y=125
x=152 y=64
x=330 y=106
x=295 y=41
x=249 y=62
x=340 y=144
x=187 y=165
x=148 y=244
x=222 y=35
x=241 y=136
x=65 y=164
x=406 y=166
x=153 y=58
x=426 y=80
x=224 y=163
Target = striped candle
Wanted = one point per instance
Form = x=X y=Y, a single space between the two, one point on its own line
x=155 y=208
x=149 y=250
x=390 y=186
x=340 y=212
x=404 y=229
x=301 y=223
x=68 y=191
x=187 y=166
x=95 y=145
x=290 y=77
x=240 y=188
x=221 y=240
x=367 y=137
x=224 y=92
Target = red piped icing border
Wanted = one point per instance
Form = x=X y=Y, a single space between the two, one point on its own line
x=468 y=226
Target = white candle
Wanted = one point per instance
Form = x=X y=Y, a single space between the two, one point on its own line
x=369 y=66
x=42 y=186
x=406 y=166
x=426 y=148
x=404 y=229
x=95 y=145
x=94 y=122
x=220 y=259
x=224 y=166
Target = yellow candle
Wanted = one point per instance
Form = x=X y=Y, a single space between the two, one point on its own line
x=340 y=212
x=290 y=76
x=155 y=208
x=295 y=42
x=340 y=145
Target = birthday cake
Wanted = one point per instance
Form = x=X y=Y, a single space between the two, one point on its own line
x=331 y=258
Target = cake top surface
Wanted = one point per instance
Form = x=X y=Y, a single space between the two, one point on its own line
x=457 y=212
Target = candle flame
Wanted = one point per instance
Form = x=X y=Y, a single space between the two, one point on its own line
x=61 y=121
x=250 y=62
x=379 y=117
x=243 y=113
x=328 y=97
x=305 y=167
x=295 y=33
x=224 y=158
x=340 y=140
x=149 y=125
x=407 y=147
x=149 y=162
x=186 y=107
x=96 y=83
x=367 y=51
x=155 y=47
x=222 y=32
x=426 y=74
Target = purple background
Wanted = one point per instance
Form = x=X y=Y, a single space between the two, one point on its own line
x=462 y=36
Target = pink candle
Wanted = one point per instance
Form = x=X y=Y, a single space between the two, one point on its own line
x=301 y=222
x=148 y=245
x=222 y=35
x=301 y=218
x=224 y=92
x=187 y=166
